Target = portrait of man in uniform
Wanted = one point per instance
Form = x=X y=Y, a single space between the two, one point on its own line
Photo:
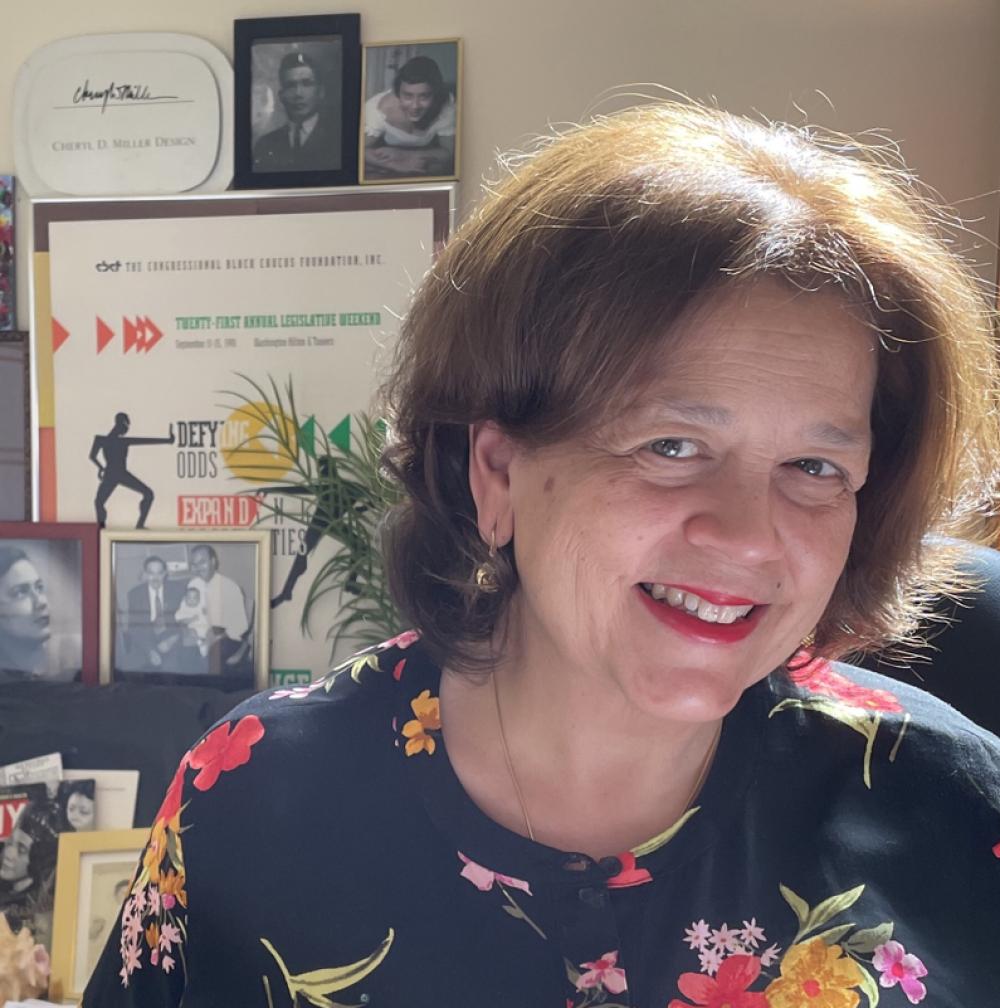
x=296 y=118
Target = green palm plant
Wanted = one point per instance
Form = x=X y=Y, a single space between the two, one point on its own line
x=339 y=477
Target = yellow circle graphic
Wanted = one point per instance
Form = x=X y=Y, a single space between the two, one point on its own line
x=258 y=442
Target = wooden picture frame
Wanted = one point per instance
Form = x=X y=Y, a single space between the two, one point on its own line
x=411 y=95
x=90 y=870
x=53 y=641
x=210 y=621
x=297 y=100
x=15 y=426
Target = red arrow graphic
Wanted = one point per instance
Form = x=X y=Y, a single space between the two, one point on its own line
x=59 y=335
x=105 y=334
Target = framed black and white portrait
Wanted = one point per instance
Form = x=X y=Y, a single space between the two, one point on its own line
x=94 y=875
x=297 y=97
x=186 y=607
x=410 y=119
x=48 y=602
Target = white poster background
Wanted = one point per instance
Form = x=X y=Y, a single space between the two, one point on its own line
x=228 y=294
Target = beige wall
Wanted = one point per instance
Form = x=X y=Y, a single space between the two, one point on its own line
x=927 y=70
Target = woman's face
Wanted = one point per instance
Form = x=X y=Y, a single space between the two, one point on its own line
x=16 y=853
x=24 y=607
x=80 y=811
x=415 y=100
x=731 y=485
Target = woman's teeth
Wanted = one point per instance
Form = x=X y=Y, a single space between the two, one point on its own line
x=695 y=605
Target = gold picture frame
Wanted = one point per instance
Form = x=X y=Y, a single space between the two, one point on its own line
x=90 y=869
x=242 y=558
x=381 y=66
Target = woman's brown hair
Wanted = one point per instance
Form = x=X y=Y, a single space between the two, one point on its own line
x=551 y=303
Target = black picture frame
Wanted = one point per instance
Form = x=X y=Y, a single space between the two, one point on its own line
x=327 y=51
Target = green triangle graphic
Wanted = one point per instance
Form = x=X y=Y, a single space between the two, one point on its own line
x=307 y=437
x=341 y=435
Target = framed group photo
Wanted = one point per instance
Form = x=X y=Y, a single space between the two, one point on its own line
x=94 y=873
x=410 y=120
x=186 y=607
x=297 y=101
x=48 y=602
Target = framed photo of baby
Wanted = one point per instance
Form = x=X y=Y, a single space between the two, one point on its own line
x=411 y=114
x=185 y=607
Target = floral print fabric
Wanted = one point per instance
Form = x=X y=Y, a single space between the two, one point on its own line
x=316 y=848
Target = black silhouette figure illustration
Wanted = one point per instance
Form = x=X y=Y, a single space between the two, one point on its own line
x=114 y=473
x=336 y=499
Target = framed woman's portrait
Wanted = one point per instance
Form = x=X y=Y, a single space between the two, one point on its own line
x=411 y=115
x=48 y=602
x=186 y=608
x=94 y=873
x=296 y=107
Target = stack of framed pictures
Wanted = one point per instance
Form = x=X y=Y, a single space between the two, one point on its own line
x=186 y=308
x=314 y=108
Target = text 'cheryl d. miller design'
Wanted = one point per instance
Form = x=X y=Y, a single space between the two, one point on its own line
x=116 y=95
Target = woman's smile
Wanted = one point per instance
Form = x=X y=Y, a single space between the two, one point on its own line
x=698 y=619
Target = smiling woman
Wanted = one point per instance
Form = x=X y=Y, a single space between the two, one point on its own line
x=673 y=416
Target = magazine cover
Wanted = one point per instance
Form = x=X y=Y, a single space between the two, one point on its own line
x=30 y=827
x=31 y=818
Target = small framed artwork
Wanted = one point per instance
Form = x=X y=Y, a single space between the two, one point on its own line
x=297 y=101
x=94 y=873
x=15 y=427
x=410 y=120
x=186 y=607
x=8 y=319
x=48 y=602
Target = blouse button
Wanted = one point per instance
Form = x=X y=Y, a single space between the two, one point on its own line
x=593 y=897
x=611 y=866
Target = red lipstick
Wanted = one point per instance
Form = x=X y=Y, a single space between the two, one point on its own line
x=716 y=598
x=687 y=624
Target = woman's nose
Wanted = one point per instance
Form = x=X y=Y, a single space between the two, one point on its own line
x=736 y=519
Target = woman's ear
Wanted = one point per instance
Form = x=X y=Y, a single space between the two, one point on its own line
x=490 y=455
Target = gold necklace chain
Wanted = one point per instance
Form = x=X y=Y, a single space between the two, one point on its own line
x=700 y=780
x=510 y=765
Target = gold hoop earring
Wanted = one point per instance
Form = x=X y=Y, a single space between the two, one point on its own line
x=809 y=640
x=487 y=577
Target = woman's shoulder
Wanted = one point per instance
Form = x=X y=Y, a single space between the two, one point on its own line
x=375 y=111
x=445 y=123
x=352 y=705
x=899 y=724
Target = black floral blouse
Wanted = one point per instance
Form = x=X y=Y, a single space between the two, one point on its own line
x=317 y=849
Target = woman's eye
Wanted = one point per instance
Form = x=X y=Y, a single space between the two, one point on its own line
x=816 y=467
x=674 y=448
